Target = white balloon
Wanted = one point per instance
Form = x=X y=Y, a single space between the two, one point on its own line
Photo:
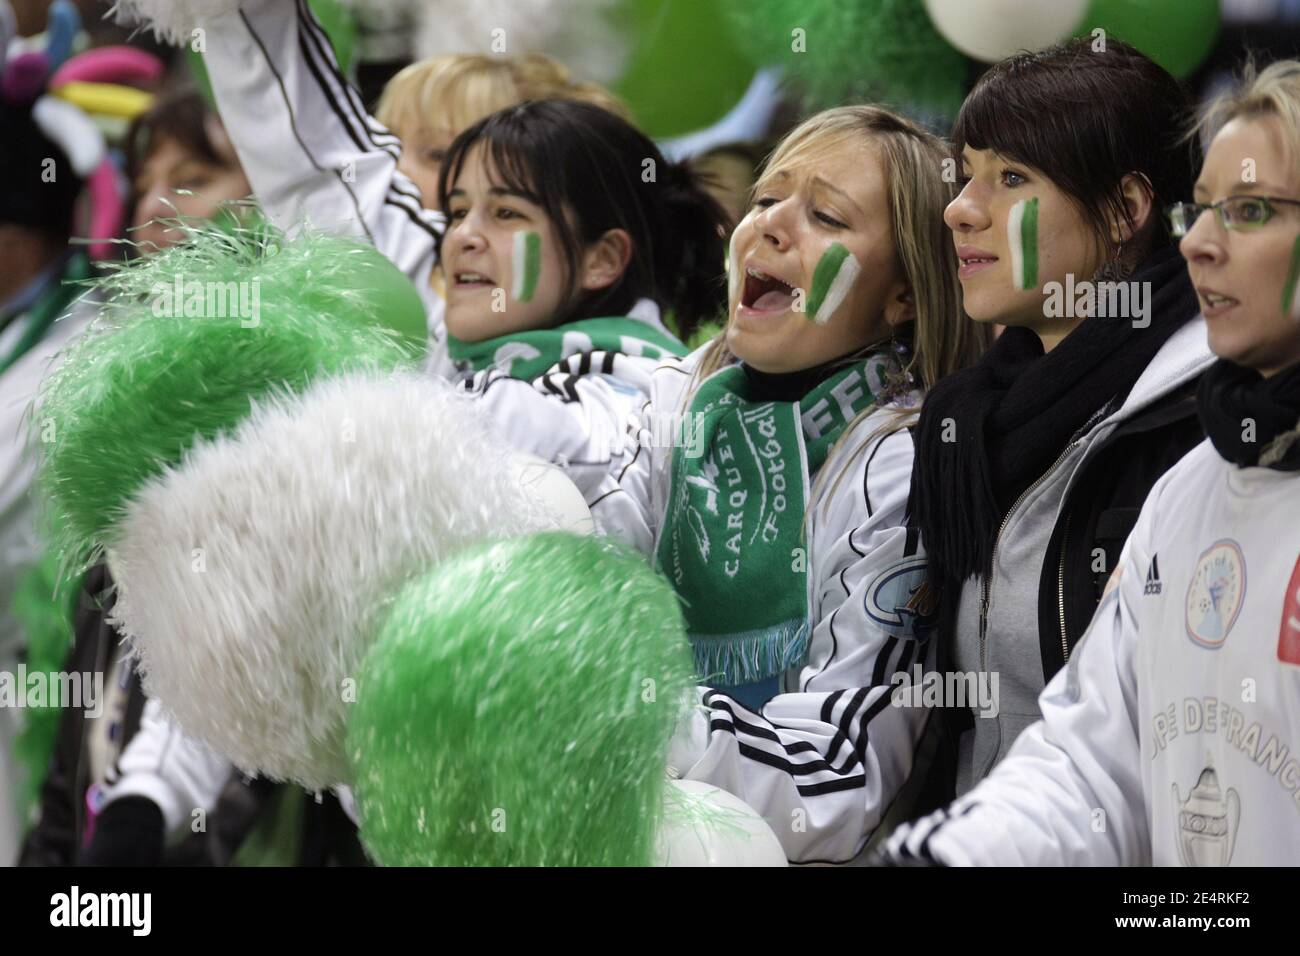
x=705 y=826
x=992 y=30
x=552 y=489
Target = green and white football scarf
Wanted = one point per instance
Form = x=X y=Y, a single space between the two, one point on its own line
x=732 y=544
x=529 y=354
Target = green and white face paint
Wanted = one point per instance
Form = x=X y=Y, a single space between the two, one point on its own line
x=1291 y=291
x=526 y=265
x=833 y=278
x=1022 y=233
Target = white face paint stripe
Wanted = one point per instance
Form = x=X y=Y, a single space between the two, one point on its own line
x=1014 y=221
x=839 y=290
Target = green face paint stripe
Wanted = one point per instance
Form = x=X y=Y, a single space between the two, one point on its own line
x=1290 y=292
x=1029 y=241
x=1022 y=233
x=527 y=264
x=832 y=280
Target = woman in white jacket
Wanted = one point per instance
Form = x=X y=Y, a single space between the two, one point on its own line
x=780 y=516
x=1171 y=737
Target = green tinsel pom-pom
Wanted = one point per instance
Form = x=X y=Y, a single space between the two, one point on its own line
x=516 y=709
x=854 y=51
x=44 y=606
x=186 y=338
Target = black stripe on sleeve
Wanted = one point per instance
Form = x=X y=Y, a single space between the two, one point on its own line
x=313 y=39
x=293 y=123
x=310 y=34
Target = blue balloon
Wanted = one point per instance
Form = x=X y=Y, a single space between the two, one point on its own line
x=61 y=30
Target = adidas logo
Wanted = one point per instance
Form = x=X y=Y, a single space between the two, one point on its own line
x=1153 y=577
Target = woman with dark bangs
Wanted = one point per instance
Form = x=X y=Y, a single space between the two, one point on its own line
x=1033 y=464
x=181 y=165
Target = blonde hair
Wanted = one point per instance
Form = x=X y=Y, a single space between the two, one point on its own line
x=945 y=339
x=1273 y=91
x=458 y=90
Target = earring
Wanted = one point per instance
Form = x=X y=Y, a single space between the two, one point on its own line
x=1113 y=269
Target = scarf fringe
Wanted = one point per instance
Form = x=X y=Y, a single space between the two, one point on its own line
x=747 y=657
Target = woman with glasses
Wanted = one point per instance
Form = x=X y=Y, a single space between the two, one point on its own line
x=1033 y=463
x=1176 y=723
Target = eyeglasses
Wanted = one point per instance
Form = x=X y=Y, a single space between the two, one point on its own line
x=1238 y=213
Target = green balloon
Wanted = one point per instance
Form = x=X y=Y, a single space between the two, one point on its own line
x=377 y=292
x=853 y=51
x=388 y=297
x=1177 y=34
x=687 y=69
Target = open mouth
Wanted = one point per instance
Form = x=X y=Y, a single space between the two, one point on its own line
x=1214 y=304
x=472 y=280
x=765 y=293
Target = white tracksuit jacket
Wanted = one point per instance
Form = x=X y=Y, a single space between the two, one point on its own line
x=1173 y=735
x=824 y=759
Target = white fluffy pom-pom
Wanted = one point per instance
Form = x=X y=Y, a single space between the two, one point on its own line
x=174 y=21
x=251 y=578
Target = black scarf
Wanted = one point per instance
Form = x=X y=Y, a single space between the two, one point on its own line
x=1230 y=397
x=1007 y=418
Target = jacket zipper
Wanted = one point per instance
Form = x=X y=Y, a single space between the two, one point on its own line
x=993 y=559
x=83 y=759
x=1060 y=588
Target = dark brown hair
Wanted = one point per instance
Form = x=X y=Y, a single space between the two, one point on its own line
x=1087 y=118
x=180 y=115
x=587 y=168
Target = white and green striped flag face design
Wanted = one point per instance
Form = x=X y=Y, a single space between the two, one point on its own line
x=526 y=265
x=1291 y=291
x=833 y=279
x=1022 y=234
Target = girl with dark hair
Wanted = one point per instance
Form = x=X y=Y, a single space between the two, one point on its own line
x=577 y=215
x=1150 y=727
x=1032 y=464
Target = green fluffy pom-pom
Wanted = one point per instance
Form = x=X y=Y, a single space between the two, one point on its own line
x=44 y=607
x=843 y=51
x=186 y=338
x=516 y=709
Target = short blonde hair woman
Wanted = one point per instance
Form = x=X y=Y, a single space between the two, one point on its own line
x=428 y=103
